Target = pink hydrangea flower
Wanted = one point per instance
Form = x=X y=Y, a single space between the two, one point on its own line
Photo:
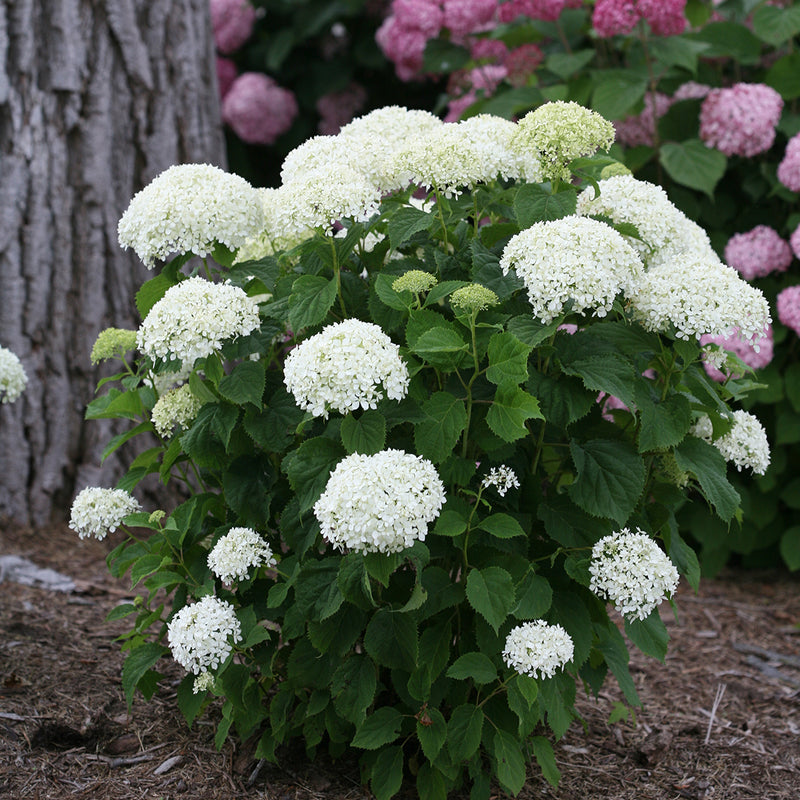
x=740 y=120
x=462 y=17
x=232 y=23
x=549 y=10
x=425 y=16
x=521 y=63
x=794 y=241
x=758 y=252
x=226 y=75
x=620 y=17
x=756 y=355
x=492 y=50
x=691 y=90
x=788 y=304
x=665 y=17
x=257 y=109
x=338 y=108
x=640 y=129
x=483 y=79
x=789 y=168
x=404 y=45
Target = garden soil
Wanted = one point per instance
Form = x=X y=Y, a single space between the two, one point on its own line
x=721 y=719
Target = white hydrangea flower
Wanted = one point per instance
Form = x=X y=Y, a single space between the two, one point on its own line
x=667 y=234
x=538 y=649
x=13 y=378
x=201 y=635
x=633 y=572
x=699 y=296
x=194 y=318
x=381 y=503
x=98 y=512
x=177 y=406
x=745 y=444
x=203 y=682
x=557 y=133
x=239 y=550
x=575 y=259
x=502 y=478
x=343 y=367
x=188 y=208
x=703 y=428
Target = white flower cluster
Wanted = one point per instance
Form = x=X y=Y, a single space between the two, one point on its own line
x=538 y=649
x=239 y=550
x=343 y=367
x=571 y=259
x=632 y=571
x=13 y=379
x=203 y=682
x=200 y=634
x=502 y=478
x=744 y=445
x=381 y=503
x=194 y=318
x=696 y=296
x=177 y=406
x=188 y=208
x=98 y=512
x=666 y=232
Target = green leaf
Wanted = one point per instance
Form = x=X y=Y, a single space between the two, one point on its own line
x=530 y=331
x=115 y=405
x=117 y=441
x=391 y=639
x=790 y=547
x=664 y=424
x=693 y=164
x=728 y=40
x=709 y=467
x=534 y=597
x=612 y=646
x=776 y=25
x=365 y=434
x=684 y=558
x=309 y=467
x=617 y=91
x=387 y=773
x=450 y=523
x=137 y=664
x=245 y=384
x=546 y=760
x=473 y=665
x=784 y=76
x=566 y=524
x=274 y=427
x=791 y=380
x=311 y=300
x=676 y=51
x=150 y=292
x=381 y=728
x=440 y=346
x=508 y=359
x=610 y=478
x=606 y=373
x=189 y=703
x=445 y=419
x=510 y=763
x=649 y=635
x=490 y=592
x=566 y=64
x=464 y=731
x=353 y=687
x=431 y=732
x=557 y=699
x=563 y=400
x=533 y=204
x=503 y=526
x=431 y=783
x=509 y=410
x=247 y=484
x=443 y=56
x=316 y=591
x=406 y=222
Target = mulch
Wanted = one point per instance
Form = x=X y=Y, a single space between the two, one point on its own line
x=720 y=719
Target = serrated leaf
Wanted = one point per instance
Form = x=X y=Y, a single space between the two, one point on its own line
x=189 y=702
x=534 y=597
x=509 y=760
x=310 y=301
x=309 y=468
x=532 y=204
x=610 y=478
x=784 y=76
x=245 y=384
x=649 y=635
x=612 y=646
x=406 y=222
x=150 y=292
x=557 y=699
x=137 y=664
x=450 y=523
x=664 y=424
x=606 y=373
x=464 y=731
x=709 y=467
x=247 y=484
x=490 y=592
x=617 y=91
x=440 y=346
x=445 y=417
x=776 y=25
x=503 y=526
x=430 y=783
x=473 y=665
x=693 y=164
x=508 y=359
x=545 y=758
x=353 y=687
x=391 y=639
x=387 y=773
x=388 y=296
x=365 y=434
x=380 y=728
x=509 y=410
x=563 y=400
x=431 y=732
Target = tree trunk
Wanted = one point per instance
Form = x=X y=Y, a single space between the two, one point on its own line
x=97 y=97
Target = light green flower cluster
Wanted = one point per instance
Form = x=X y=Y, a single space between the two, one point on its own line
x=13 y=379
x=557 y=133
x=112 y=343
x=175 y=407
x=474 y=297
x=416 y=281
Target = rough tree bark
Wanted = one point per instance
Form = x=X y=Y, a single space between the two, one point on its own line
x=96 y=98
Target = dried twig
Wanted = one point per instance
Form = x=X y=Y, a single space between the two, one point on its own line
x=717 y=700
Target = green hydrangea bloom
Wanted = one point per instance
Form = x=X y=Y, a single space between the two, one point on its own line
x=474 y=298
x=416 y=281
x=614 y=169
x=113 y=343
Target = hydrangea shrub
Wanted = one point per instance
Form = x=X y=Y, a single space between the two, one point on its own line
x=408 y=515
x=703 y=96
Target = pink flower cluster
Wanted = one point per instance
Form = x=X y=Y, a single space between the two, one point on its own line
x=756 y=355
x=549 y=10
x=232 y=23
x=257 y=109
x=741 y=119
x=691 y=90
x=789 y=168
x=483 y=80
x=788 y=304
x=758 y=252
x=620 y=17
x=226 y=75
x=338 y=108
x=404 y=33
x=794 y=241
x=641 y=129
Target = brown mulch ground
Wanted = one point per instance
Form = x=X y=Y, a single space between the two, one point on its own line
x=65 y=731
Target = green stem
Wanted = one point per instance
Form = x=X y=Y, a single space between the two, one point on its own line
x=441 y=218
x=338 y=275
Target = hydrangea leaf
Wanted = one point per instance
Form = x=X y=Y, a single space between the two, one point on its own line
x=445 y=419
x=534 y=597
x=510 y=763
x=245 y=384
x=431 y=783
x=649 y=635
x=784 y=76
x=693 y=164
x=464 y=731
x=509 y=410
x=391 y=639
x=490 y=592
x=473 y=665
x=607 y=373
x=612 y=646
x=563 y=400
x=311 y=300
x=508 y=359
x=137 y=664
x=247 y=484
x=365 y=434
x=431 y=731
x=617 y=91
x=353 y=688
x=706 y=463
x=546 y=760
x=557 y=699
x=776 y=25
x=664 y=424
x=405 y=223
x=503 y=526
x=387 y=773
x=378 y=729
x=308 y=468
x=533 y=204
